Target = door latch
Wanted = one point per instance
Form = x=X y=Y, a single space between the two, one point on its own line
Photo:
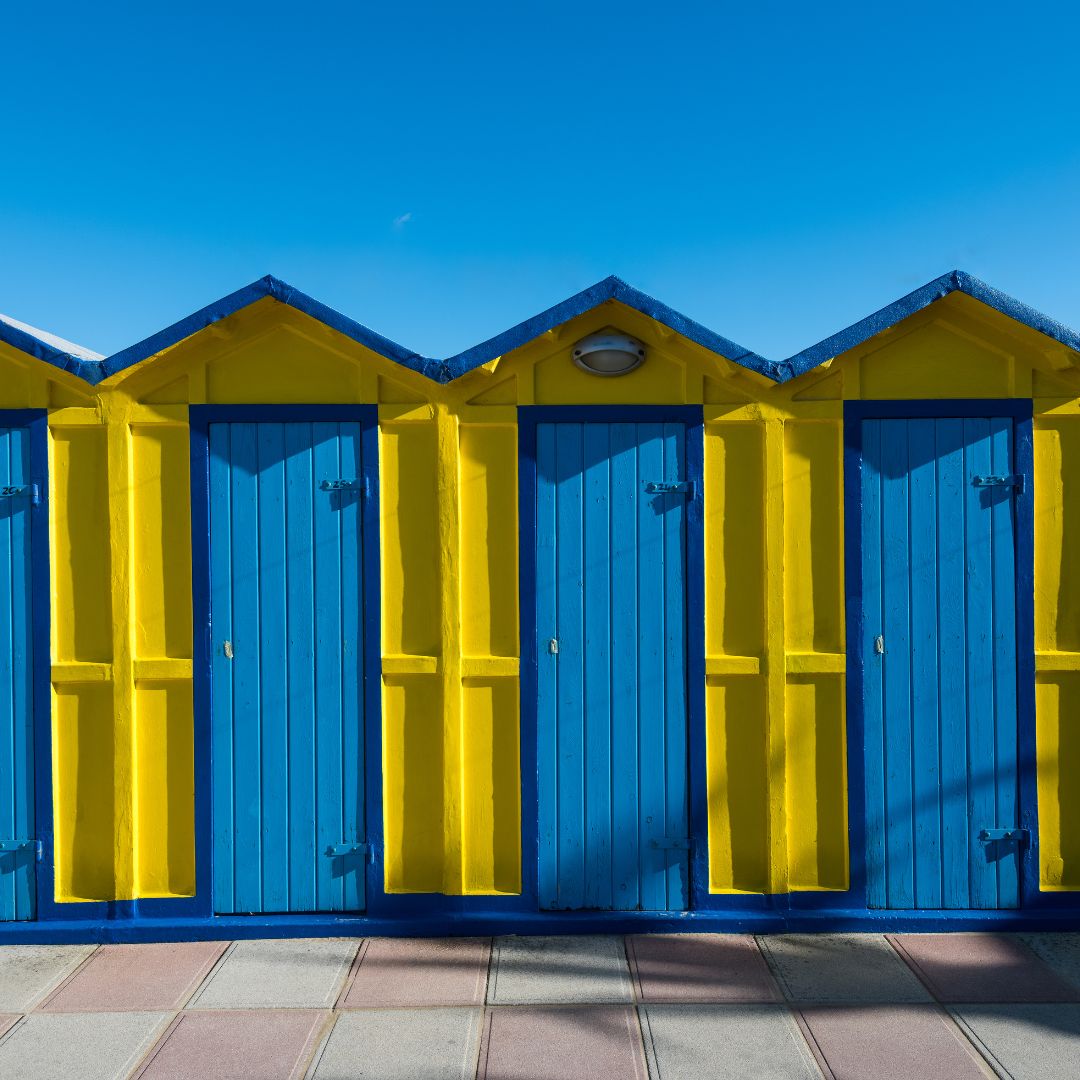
x=1013 y=480
x=553 y=646
x=365 y=850
x=879 y=645
x=226 y=648
x=670 y=487
x=989 y=835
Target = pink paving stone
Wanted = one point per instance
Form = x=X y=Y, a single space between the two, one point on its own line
x=523 y=1043
x=699 y=968
x=979 y=968
x=420 y=971
x=121 y=977
x=263 y=1044
x=888 y=1042
x=6 y=1020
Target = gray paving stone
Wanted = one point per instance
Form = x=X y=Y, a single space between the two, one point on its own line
x=1026 y=1042
x=29 y=972
x=1058 y=951
x=79 y=1046
x=291 y=973
x=725 y=1042
x=559 y=970
x=402 y=1044
x=838 y=968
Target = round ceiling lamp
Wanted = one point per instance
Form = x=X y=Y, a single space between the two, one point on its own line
x=609 y=353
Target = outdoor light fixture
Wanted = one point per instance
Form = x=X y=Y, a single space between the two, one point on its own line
x=609 y=353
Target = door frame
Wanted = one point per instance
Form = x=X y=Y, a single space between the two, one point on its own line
x=692 y=416
x=1019 y=410
x=200 y=418
x=35 y=423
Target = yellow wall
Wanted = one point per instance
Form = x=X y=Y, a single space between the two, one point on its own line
x=775 y=648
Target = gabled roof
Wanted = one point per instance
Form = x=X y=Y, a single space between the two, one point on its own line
x=94 y=368
x=50 y=348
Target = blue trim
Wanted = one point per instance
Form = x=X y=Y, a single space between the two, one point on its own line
x=529 y=416
x=484 y=923
x=201 y=416
x=88 y=370
x=35 y=421
x=611 y=288
x=1020 y=411
x=250 y=294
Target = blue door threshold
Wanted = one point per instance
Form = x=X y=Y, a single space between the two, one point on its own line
x=58 y=931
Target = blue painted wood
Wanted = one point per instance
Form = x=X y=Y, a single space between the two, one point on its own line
x=17 y=817
x=940 y=705
x=288 y=716
x=955 y=831
x=612 y=702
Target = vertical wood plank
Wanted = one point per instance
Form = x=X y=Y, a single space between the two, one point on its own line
x=1006 y=714
x=651 y=695
x=953 y=485
x=221 y=667
x=626 y=493
x=896 y=586
x=926 y=772
x=597 y=571
x=273 y=684
x=571 y=713
x=299 y=493
x=873 y=676
x=547 y=750
x=982 y=808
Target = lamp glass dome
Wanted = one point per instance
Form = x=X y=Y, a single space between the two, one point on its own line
x=609 y=353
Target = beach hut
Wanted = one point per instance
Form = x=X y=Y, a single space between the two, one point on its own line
x=606 y=624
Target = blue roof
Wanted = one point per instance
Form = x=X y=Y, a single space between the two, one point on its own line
x=53 y=350
x=611 y=288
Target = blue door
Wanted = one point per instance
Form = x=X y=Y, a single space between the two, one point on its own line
x=612 y=681
x=17 y=827
x=286 y=674
x=939 y=629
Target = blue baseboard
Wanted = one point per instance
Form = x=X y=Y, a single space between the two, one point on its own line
x=224 y=927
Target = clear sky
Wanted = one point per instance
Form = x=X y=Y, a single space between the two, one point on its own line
x=441 y=171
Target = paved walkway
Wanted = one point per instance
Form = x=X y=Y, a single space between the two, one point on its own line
x=675 y=1007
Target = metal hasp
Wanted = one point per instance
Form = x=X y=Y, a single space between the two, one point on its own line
x=11 y=491
x=334 y=850
x=360 y=485
x=1013 y=480
x=672 y=843
x=989 y=835
x=22 y=845
x=670 y=487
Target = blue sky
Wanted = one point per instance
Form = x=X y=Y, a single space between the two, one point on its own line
x=440 y=172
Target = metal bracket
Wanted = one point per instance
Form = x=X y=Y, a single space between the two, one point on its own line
x=989 y=835
x=22 y=845
x=1013 y=480
x=672 y=843
x=366 y=850
x=13 y=491
x=671 y=487
x=363 y=485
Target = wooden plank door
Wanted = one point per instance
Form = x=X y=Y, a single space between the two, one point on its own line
x=940 y=694
x=18 y=853
x=612 y=678
x=286 y=551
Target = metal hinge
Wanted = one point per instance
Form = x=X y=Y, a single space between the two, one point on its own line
x=335 y=850
x=363 y=485
x=678 y=843
x=671 y=487
x=987 y=835
x=22 y=845
x=1013 y=480
x=12 y=491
